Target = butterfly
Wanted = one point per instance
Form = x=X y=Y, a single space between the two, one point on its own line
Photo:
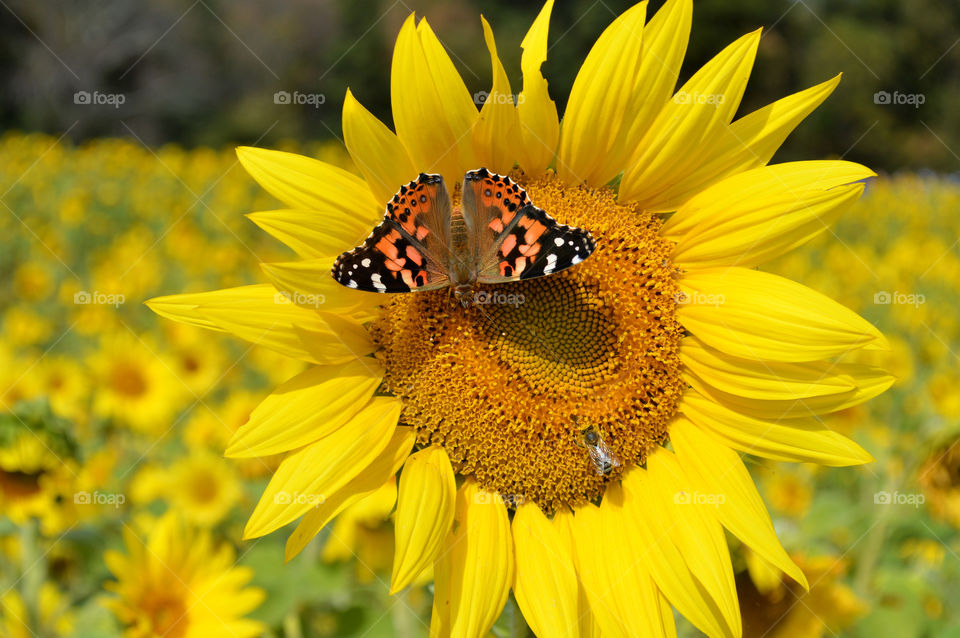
x=496 y=236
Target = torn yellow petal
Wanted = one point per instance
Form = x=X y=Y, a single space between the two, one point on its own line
x=376 y=150
x=495 y=133
x=757 y=315
x=307 y=408
x=539 y=124
x=308 y=476
x=760 y=214
x=722 y=475
x=474 y=571
x=654 y=518
x=546 y=584
x=302 y=182
x=311 y=234
x=745 y=144
x=598 y=101
x=764 y=380
x=425 y=508
x=381 y=469
x=701 y=108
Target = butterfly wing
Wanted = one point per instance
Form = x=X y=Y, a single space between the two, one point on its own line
x=516 y=240
x=408 y=250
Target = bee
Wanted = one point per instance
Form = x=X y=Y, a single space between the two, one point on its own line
x=601 y=456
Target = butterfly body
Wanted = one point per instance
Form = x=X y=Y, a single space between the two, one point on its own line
x=497 y=235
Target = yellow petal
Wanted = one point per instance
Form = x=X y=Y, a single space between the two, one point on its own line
x=745 y=144
x=496 y=131
x=611 y=561
x=701 y=108
x=539 y=123
x=308 y=407
x=724 y=479
x=665 y=41
x=302 y=182
x=757 y=315
x=764 y=380
x=546 y=584
x=309 y=476
x=428 y=95
x=378 y=153
x=677 y=566
x=425 y=510
x=760 y=214
x=598 y=101
x=309 y=283
x=563 y=523
x=380 y=470
x=458 y=104
x=473 y=573
x=311 y=234
x=258 y=314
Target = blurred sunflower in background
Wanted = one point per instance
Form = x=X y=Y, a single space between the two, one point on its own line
x=667 y=341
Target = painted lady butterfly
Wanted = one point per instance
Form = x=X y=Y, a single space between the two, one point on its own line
x=424 y=243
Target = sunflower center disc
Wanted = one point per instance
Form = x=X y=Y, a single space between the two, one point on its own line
x=508 y=385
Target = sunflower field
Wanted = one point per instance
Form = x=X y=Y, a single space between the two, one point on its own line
x=202 y=433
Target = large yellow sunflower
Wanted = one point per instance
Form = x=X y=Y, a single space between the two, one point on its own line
x=667 y=341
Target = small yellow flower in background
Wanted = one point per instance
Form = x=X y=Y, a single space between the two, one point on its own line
x=178 y=582
x=25 y=460
x=47 y=617
x=939 y=477
x=775 y=608
x=203 y=488
x=666 y=333
x=135 y=384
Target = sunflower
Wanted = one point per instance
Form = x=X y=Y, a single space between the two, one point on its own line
x=179 y=583
x=46 y=616
x=667 y=340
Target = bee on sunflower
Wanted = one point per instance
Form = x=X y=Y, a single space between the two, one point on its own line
x=596 y=270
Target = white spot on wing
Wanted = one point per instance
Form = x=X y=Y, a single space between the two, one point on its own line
x=352 y=284
x=551 y=264
x=377 y=283
x=576 y=259
x=365 y=263
x=558 y=241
